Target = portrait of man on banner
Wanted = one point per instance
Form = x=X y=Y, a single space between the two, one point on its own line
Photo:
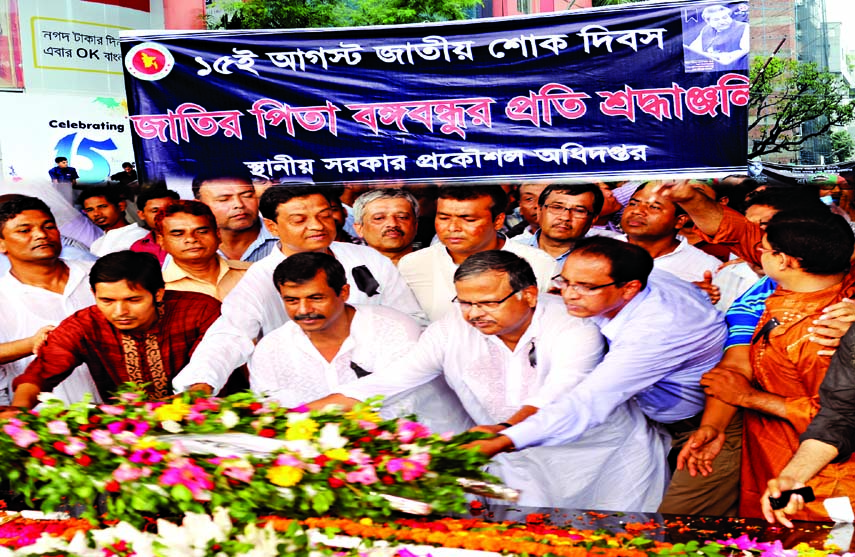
x=720 y=40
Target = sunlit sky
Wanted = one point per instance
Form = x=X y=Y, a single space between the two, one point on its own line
x=843 y=11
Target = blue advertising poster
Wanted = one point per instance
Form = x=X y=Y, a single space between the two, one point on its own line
x=643 y=90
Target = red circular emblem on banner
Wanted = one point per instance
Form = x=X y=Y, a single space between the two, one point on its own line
x=149 y=61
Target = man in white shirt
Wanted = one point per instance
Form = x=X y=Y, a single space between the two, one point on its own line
x=468 y=220
x=566 y=214
x=232 y=197
x=329 y=342
x=663 y=336
x=38 y=292
x=507 y=352
x=387 y=220
x=652 y=222
x=106 y=210
x=302 y=219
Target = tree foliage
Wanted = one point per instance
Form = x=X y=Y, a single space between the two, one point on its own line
x=297 y=14
x=842 y=146
x=785 y=95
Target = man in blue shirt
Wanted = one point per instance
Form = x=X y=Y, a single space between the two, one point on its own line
x=663 y=335
x=62 y=173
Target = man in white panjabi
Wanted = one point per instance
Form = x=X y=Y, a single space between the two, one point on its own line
x=507 y=352
x=468 y=220
x=328 y=343
x=38 y=292
x=106 y=210
x=301 y=217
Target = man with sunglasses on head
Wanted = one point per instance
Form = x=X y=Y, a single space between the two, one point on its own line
x=508 y=352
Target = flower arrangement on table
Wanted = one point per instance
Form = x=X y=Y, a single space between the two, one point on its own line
x=218 y=536
x=342 y=463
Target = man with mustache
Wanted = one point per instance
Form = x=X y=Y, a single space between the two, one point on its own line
x=40 y=290
x=329 y=342
x=232 y=197
x=507 y=351
x=301 y=217
x=387 y=220
x=106 y=210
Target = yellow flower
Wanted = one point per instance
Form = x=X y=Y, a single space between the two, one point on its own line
x=175 y=411
x=366 y=414
x=301 y=431
x=366 y=521
x=284 y=476
x=337 y=454
x=147 y=443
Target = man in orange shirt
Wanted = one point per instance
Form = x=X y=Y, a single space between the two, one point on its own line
x=808 y=255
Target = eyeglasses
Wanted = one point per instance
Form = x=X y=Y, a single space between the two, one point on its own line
x=558 y=210
x=491 y=305
x=562 y=284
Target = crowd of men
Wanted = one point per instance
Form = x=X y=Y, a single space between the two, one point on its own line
x=666 y=345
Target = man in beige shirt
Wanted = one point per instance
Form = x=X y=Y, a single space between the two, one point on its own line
x=187 y=231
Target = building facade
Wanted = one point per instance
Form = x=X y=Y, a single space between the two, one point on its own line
x=62 y=89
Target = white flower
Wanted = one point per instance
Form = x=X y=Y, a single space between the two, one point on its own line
x=171 y=426
x=229 y=419
x=140 y=541
x=47 y=397
x=265 y=542
x=302 y=447
x=330 y=438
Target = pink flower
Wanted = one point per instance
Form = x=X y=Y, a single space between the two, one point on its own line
x=102 y=437
x=199 y=408
x=127 y=473
x=364 y=424
x=240 y=473
x=386 y=436
x=365 y=475
x=302 y=409
x=408 y=431
x=205 y=404
x=409 y=469
x=58 y=427
x=73 y=446
x=288 y=460
x=146 y=456
x=182 y=471
x=22 y=436
x=129 y=397
x=112 y=409
x=358 y=456
x=137 y=427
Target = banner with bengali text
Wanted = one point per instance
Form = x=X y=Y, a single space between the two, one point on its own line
x=633 y=91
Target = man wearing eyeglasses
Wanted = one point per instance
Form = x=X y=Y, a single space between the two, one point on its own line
x=662 y=334
x=566 y=215
x=507 y=352
x=807 y=253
